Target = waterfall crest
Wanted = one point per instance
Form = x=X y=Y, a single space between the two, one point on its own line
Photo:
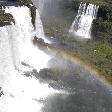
x=82 y=24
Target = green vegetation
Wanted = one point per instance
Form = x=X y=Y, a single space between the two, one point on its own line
x=98 y=50
x=97 y=2
x=32 y=9
x=5 y=17
x=8 y=18
x=98 y=53
x=102 y=26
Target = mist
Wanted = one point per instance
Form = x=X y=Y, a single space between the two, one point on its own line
x=52 y=7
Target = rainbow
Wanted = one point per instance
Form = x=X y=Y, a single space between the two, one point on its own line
x=90 y=67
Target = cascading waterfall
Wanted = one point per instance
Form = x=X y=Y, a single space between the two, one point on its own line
x=82 y=24
x=39 y=27
x=21 y=93
x=22 y=34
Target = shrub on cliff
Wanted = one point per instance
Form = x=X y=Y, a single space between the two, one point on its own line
x=5 y=18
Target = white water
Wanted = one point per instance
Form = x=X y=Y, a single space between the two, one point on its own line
x=21 y=93
x=41 y=4
x=82 y=24
x=22 y=34
x=39 y=28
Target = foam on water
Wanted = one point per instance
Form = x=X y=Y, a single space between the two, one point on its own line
x=82 y=24
x=22 y=34
x=21 y=93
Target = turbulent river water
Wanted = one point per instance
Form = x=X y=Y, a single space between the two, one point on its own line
x=77 y=91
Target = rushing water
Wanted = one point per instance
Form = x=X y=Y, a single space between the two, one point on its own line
x=21 y=93
x=22 y=34
x=82 y=24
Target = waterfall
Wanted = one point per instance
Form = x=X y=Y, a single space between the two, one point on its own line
x=21 y=93
x=39 y=27
x=82 y=24
x=22 y=34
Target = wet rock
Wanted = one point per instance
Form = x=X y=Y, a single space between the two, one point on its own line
x=5 y=18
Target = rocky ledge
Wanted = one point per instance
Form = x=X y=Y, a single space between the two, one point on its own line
x=5 y=18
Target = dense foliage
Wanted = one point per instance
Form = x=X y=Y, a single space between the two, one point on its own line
x=98 y=50
x=102 y=27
